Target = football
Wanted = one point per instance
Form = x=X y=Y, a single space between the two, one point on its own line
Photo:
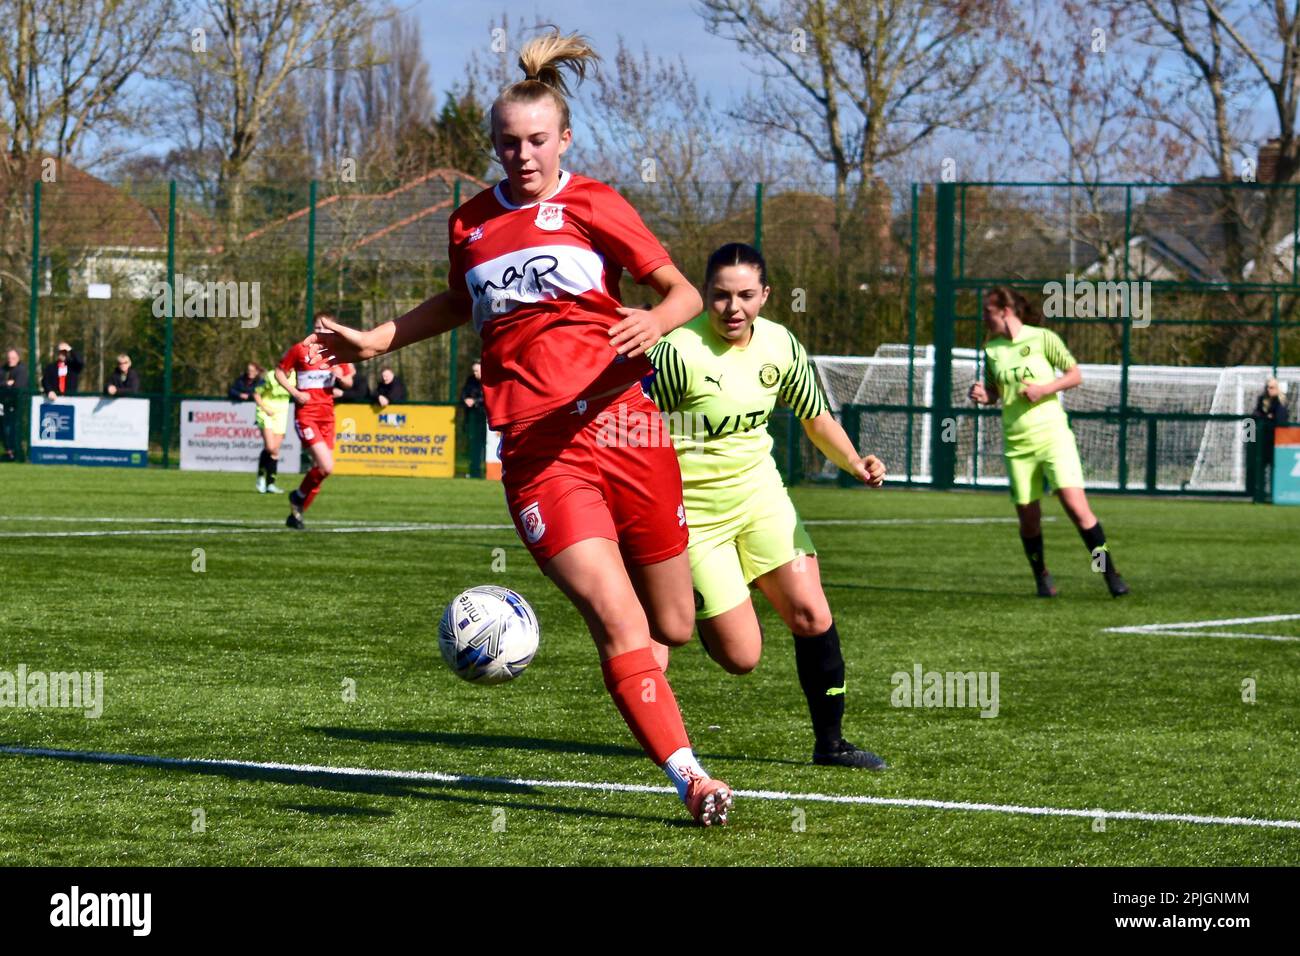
x=488 y=634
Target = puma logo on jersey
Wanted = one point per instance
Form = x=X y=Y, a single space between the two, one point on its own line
x=716 y=381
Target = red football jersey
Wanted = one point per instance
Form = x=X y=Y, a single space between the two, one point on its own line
x=544 y=281
x=315 y=378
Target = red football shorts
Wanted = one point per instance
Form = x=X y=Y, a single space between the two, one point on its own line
x=604 y=469
x=316 y=427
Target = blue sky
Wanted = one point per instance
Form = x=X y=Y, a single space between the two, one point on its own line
x=672 y=28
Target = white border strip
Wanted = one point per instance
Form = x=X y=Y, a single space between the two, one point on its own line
x=435 y=777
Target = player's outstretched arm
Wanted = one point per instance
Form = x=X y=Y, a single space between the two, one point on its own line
x=833 y=442
x=340 y=343
x=640 y=329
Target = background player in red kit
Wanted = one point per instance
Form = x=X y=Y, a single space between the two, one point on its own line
x=313 y=396
x=536 y=262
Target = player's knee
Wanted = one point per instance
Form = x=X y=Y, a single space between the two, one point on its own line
x=809 y=619
x=326 y=468
x=676 y=627
x=739 y=661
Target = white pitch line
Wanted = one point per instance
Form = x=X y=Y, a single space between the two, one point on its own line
x=432 y=776
x=151 y=532
x=1196 y=628
x=256 y=526
x=908 y=521
x=72 y=519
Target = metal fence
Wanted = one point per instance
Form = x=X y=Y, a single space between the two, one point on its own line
x=886 y=295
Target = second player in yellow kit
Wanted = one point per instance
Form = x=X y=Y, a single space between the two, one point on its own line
x=717 y=379
x=1021 y=362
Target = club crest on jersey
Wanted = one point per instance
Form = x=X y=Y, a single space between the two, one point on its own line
x=1024 y=350
x=550 y=216
x=531 y=519
x=475 y=235
x=768 y=375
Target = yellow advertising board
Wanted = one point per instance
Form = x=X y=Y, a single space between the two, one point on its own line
x=416 y=441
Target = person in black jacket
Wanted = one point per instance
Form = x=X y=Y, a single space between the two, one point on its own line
x=471 y=396
x=391 y=391
x=60 y=376
x=13 y=383
x=242 y=389
x=1270 y=413
x=124 y=380
x=352 y=389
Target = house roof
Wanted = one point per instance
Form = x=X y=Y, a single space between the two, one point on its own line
x=408 y=222
x=80 y=211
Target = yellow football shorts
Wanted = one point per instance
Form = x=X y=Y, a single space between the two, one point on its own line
x=727 y=552
x=278 y=420
x=1040 y=464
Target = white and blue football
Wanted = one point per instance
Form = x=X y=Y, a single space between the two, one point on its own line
x=488 y=634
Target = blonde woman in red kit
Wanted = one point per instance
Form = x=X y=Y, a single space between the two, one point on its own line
x=535 y=262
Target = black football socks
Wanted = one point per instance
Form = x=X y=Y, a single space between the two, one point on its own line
x=1034 y=552
x=821 y=675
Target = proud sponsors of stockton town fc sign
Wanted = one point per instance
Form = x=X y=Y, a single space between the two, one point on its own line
x=406 y=440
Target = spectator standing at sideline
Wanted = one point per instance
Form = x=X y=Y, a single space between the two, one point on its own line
x=124 y=380
x=471 y=396
x=1270 y=413
x=391 y=391
x=60 y=376
x=13 y=383
x=351 y=389
x=242 y=389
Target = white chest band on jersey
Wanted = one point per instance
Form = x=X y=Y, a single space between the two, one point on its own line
x=316 y=378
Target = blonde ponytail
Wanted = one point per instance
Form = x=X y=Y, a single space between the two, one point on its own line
x=544 y=59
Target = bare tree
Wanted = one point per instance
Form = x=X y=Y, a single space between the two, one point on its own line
x=233 y=82
x=66 y=69
x=1238 y=55
x=860 y=82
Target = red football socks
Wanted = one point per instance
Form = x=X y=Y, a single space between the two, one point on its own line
x=644 y=698
x=310 y=486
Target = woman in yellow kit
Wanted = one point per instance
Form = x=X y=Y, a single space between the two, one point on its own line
x=718 y=378
x=1020 y=368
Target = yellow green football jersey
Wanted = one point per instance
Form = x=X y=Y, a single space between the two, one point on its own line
x=717 y=399
x=272 y=391
x=1033 y=356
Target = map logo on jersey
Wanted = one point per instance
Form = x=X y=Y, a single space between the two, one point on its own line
x=550 y=216
x=768 y=375
x=531 y=519
x=533 y=274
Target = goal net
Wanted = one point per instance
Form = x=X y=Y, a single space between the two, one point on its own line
x=1190 y=455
